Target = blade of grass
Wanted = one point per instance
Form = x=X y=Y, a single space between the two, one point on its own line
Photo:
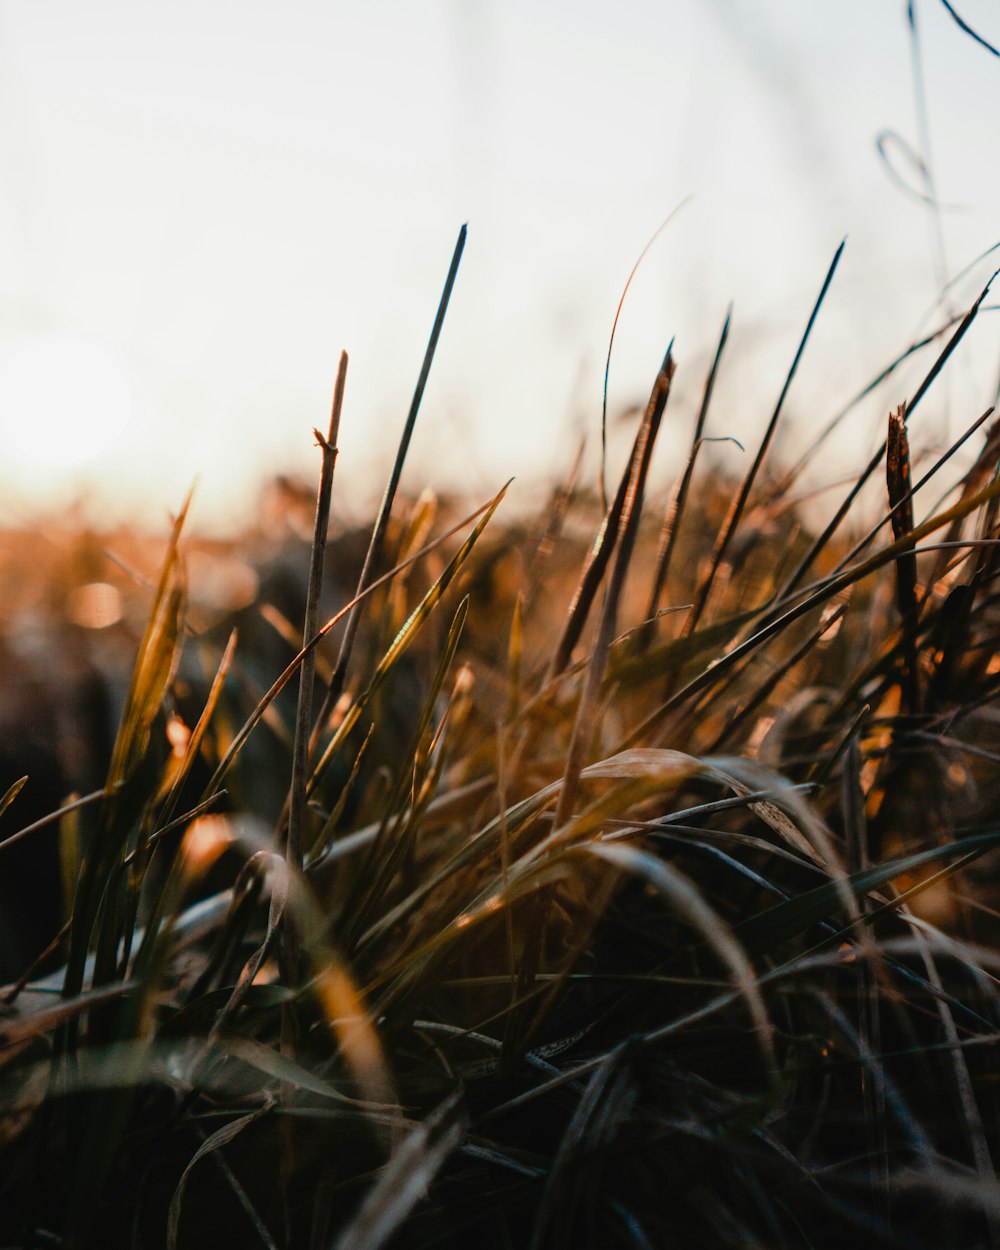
x=405 y=1180
x=739 y=504
x=685 y=897
x=827 y=589
x=388 y=848
x=611 y=342
x=221 y=1137
x=834 y=524
x=635 y=478
x=675 y=513
x=307 y=671
x=11 y=794
x=787 y=920
x=382 y=520
x=897 y=464
x=292 y=668
x=402 y=640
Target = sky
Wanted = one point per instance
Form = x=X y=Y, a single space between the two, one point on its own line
x=203 y=203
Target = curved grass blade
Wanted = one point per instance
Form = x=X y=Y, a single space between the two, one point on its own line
x=221 y=1137
x=688 y=900
x=414 y=1164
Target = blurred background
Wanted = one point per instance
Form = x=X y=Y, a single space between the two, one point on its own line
x=201 y=204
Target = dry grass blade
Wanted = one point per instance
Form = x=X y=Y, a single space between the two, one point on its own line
x=809 y=455
x=290 y=953
x=972 y=482
x=828 y=589
x=307 y=673
x=745 y=776
x=274 y=868
x=975 y=479
x=99 y=889
x=787 y=920
x=403 y=639
x=592 y=576
x=154 y=663
x=767 y=687
x=196 y=737
x=611 y=342
x=675 y=511
x=284 y=1071
x=11 y=794
x=481 y=847
x=239 y=741
x=631 y=513
x=53 y=817
x=897 y=465
x=387 y=850
x=41 y=1018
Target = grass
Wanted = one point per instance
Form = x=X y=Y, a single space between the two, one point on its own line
x=631 y=895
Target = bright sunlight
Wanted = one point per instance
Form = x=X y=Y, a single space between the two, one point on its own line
x=64 y=402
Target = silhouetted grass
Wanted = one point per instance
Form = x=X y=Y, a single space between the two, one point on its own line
x=556 y=910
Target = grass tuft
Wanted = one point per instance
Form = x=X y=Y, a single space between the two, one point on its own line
x=636 y=892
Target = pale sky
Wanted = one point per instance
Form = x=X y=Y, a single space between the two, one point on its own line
x=203 y=202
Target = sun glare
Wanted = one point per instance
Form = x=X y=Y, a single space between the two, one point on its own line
x=64 y=402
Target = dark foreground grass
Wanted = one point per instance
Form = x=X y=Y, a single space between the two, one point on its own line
x=648 y=903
